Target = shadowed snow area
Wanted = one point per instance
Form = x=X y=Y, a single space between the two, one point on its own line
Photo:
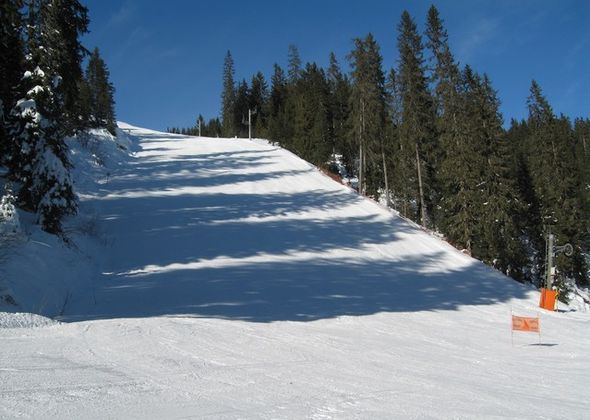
x=241 y=229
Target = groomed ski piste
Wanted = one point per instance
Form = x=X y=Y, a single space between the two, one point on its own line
x=229 y=279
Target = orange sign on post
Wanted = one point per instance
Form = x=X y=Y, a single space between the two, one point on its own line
x=522 y=323
x=525 y=323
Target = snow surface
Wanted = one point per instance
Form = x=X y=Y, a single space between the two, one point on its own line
x=228 y=279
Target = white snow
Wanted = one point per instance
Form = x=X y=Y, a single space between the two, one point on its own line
x=228 y=279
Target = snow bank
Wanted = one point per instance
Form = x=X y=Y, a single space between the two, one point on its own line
x=24 y=320
x=42 y=273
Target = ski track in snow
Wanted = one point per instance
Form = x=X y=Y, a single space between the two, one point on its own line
x=241 y=283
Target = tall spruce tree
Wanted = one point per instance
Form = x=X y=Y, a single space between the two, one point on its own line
x=99 y=92
x=241 y=107
x=294 y=67
x=462 y=171
x=62 y=23
x=416 y=163
x=499 y=239
x=445 y=75
x=367 y=108
x=228 y=98
x=530 y=223
x=312 y=121
x=278 y=120
x=258 y=105
x=394 y=108
x=339 y=96
x=446 y=79
x=43 y=115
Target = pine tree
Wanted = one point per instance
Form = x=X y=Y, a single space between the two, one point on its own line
x=278 y=123
x=446 y=78
x=542 y=157
x=529 y=222
x=498 y=241
x=311 y=138
x=416 y=163
x=100 y=92
x=394 y=108
x=294 y=68
x=62 y=23
x=84 y=105
x=41 y=163
x=241 y=107
x=339 y=96
x=258 y=105
x=462 y=172
x=445 y=75
x=228 y=98
x=289 y=113
x=367 y=108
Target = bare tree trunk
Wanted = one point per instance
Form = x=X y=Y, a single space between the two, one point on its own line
x=385 y=175
x=421 y=189
x=361 y=170
x=362 y=149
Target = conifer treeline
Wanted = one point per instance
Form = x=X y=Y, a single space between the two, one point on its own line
x=429 y=136
x=44 y=97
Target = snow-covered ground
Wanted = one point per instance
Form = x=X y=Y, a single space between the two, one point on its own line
x=228 y=279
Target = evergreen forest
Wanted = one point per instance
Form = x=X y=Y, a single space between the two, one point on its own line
x=428 y=139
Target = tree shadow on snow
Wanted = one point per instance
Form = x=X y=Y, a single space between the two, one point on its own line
x=265 y=257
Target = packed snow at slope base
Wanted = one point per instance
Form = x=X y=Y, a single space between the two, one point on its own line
x=235 y=281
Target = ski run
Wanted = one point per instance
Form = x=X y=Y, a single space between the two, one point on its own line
x=229 y=279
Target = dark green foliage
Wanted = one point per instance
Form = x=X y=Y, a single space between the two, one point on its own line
x=258 y=105
x=212 y=128
x=55 y=45
x=11 y=65
x=312 y=125
x=418 y=146
x=279 y=122
x=551 y=171
x=96 y=101
x=241 y=108
x=339 y=87
x=294 y=69
x=228 y=98
x=367 y=111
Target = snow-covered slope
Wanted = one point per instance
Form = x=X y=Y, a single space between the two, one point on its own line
x=228 y=279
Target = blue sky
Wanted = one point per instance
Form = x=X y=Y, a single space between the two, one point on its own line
x=166 y=56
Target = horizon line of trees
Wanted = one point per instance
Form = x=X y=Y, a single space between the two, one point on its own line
x=46 y=96
x=429 y=137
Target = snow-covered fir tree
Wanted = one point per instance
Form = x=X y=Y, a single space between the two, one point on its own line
x=43 y=114
x=42 y=163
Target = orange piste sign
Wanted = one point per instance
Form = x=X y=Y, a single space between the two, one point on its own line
x=521 y=323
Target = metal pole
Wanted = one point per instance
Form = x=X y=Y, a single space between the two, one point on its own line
x=249 y=124
x=550 y=254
